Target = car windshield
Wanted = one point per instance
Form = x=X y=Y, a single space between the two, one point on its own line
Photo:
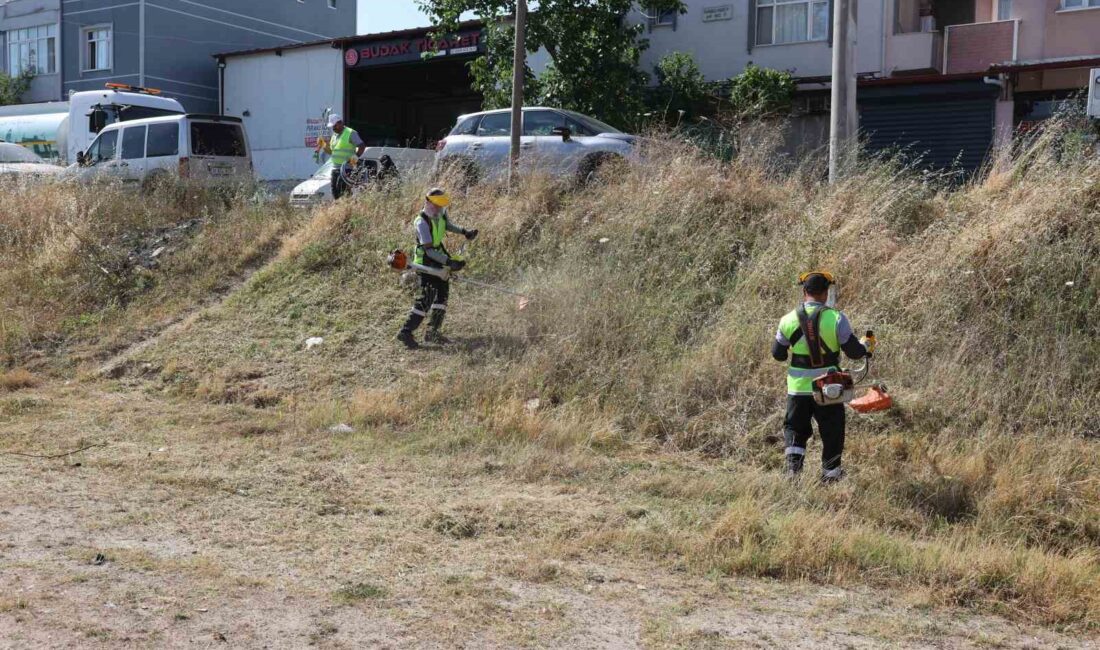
x=324 y=173
x=13 y=153
x=592 y=123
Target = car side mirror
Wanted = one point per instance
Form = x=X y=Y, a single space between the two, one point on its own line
x=564 y=131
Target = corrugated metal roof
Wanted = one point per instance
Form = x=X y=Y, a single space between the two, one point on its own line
x=346 y=40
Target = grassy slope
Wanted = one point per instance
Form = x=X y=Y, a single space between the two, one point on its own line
x=981 y=487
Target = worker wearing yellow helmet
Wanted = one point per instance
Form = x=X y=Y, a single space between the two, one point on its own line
x=815 y=334
x=431 y=227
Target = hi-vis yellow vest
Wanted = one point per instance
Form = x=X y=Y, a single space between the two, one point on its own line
x=800 y=374
x=439 y=232
x=342 y=147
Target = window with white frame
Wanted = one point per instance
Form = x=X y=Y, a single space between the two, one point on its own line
x=33 y=49
x=97 y=48
x=1079 y=4
x=1004 y=9
x=791 y=21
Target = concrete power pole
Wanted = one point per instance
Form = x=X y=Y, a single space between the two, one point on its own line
x=518 y=67
x=844 y=121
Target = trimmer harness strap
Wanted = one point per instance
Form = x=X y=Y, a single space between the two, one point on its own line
x=810 y=327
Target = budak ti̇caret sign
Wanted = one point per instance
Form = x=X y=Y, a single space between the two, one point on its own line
x=410 y=50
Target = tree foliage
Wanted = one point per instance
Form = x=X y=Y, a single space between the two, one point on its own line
x=593 y=50
x=761 y=92
x=681 y=90
x=13 y=87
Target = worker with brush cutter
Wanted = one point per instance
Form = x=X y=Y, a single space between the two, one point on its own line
x=815 y=334
x=432 y=226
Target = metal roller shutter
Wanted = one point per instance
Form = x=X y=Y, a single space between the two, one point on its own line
x=945 y=125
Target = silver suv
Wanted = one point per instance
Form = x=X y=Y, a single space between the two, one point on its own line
x=563 y=143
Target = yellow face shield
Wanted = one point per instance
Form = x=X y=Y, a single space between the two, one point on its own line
x=440 y=200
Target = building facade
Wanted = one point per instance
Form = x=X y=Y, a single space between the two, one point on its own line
x=943 y=78
x=78 y=45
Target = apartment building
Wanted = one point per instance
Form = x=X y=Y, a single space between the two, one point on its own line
x=74 y=45
x=942 y=78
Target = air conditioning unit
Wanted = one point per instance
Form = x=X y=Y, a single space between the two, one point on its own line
x=1094 y=93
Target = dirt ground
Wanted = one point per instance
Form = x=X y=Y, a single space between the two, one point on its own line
x=202 y=526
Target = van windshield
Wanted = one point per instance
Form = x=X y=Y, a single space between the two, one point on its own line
x=217 y=139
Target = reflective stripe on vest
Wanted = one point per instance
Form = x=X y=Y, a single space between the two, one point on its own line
x=439 y=231
x=800 y=381
x=342 y=148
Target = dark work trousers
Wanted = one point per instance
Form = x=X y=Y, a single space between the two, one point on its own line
x=433 y=298
x=797 y=429
x=339 y=187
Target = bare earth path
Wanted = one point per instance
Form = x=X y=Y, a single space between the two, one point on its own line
x=206 y=526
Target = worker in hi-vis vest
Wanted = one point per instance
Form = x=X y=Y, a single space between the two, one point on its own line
x=344 y=144
x=816 y=324
x=432 y=226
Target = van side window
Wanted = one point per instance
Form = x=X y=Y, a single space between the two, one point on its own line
x=133 y=143
x=104 y=147
x=164 y=140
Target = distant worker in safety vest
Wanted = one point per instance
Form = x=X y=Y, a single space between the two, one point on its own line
x=344 y=145
x=431 y=227
x=815 y=334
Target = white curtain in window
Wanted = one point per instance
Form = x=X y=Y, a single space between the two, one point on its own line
x=1004 y=9
x=790 y=23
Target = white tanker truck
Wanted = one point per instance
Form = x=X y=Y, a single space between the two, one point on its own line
x=58 y=131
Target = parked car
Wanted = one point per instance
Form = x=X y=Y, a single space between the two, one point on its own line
x=377 y=163
x=19 y=163
x=564 y=143
x=211 y=148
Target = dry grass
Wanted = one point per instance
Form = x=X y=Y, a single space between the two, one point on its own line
x=656 y=292
x=17 y=379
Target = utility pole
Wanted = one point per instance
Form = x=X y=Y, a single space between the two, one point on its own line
x=519 y=61
x=844 y=120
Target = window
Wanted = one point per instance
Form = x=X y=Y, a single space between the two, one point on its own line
x=541 y=122
x=104 y=147
x=1004 y=9
x=495 y=125
x=1079 y=4
x=467 y=126
x=331 y=4
x=217 y=139
x=133 y=143
x=97 y=48
x=164 y=140
x=791 y=21
x=34 y=49
x=665 y=18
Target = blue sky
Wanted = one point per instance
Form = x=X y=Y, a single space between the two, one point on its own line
x=388 y=15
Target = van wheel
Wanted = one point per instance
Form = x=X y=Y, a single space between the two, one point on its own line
x=463 y=170
x=591 y=168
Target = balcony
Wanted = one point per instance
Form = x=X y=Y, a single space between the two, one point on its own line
x=974 y=47
x=914 y=53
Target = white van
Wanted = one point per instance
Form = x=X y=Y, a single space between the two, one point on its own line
x=139 y=152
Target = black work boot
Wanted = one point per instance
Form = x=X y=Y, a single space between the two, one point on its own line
x=433 y=335
x=794 y=464
x=406 y=337
x=834 y=475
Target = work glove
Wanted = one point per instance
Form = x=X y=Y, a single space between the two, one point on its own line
x=471 y=234
x=456 y=265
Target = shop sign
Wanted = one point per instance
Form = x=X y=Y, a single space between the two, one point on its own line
x=410 y=50
x=721 y=12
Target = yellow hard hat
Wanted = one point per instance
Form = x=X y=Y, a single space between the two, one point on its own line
x=825 y=274
x=438 y=196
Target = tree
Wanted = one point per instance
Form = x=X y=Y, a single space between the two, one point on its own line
x=12 y=88
x=593 y=50
x=761 y=92
x=681 y=88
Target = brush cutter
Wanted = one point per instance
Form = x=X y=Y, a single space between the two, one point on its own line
x=398 y=260
x=840 y=387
